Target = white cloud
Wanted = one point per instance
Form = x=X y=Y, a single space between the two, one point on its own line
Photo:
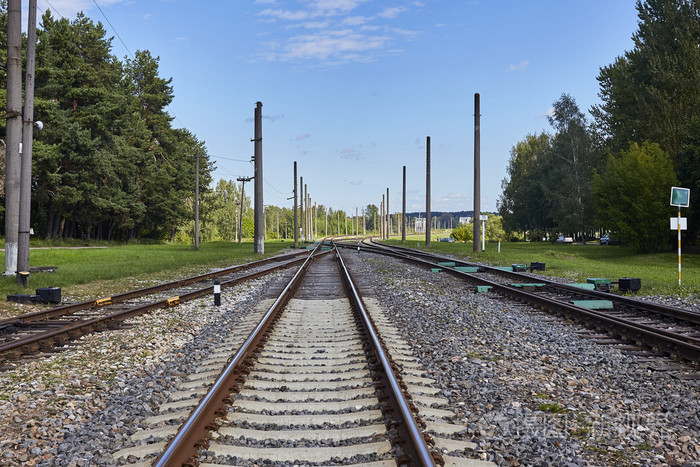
x=304 y=136
x=327 y=44
x=350 y=153
x=520 y=66
x=285 y=14
x=338 y=36
x=392 y=12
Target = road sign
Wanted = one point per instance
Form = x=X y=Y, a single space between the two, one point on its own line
x=680 y=197
x=684 y=223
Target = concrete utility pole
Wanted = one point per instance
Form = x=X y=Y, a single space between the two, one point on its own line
x=25 y=190
x=382 y=224
x=364 y=224
x=302 y=200
x=296 y=219
x=403 y=209
x=196 y=201
x=427 y=192
x=240 y=224
x=388 y=216
x=477 y=170
x=258 y=226
x=13 y=133
x=357 y=222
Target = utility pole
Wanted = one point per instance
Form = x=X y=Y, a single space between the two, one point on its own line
x=259 y=245
x=382 y=227
x=427 y=192
x=357 y=223
x=296 y=219
x=477 y=170
x=302 y=200
x=403 y=209
x=364 y=224
x=13 y=133
x=196 y=201
x=388 y=216
x=25 y=190
x=240 y=225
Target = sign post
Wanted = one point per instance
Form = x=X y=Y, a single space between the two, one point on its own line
x=679 y=197
x=483 y=219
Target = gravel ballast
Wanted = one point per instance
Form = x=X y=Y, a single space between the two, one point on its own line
x=529 y=388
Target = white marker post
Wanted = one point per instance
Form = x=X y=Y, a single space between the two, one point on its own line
x=483 y=219
x=679 y=197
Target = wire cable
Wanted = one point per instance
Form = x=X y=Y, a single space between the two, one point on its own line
x=113 y=28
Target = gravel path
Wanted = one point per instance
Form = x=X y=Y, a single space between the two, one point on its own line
x=531 y=389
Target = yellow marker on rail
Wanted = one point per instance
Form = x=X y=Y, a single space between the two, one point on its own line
x=103 y=301
x=174 y=301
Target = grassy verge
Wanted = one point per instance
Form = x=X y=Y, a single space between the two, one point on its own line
x=659 y=271
x=103 y=271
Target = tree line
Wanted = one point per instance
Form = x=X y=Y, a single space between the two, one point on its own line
x=614 y=171
x=108 y=163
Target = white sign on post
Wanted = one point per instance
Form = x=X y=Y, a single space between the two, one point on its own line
x=674 y=223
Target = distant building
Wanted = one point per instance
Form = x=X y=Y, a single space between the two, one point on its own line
x=420 y=225
x=464 y=220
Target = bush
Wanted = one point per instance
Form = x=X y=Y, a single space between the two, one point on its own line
x=463 y=233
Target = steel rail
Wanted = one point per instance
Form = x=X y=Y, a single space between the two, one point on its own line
x=184 y=444
x=418 y=449
x=672 y=343
x=104 y=321
x=673 y=312
x=72 y=308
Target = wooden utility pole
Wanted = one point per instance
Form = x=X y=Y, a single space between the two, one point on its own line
x=196 y=201
x=403 y=209
x=296 y=220
x=427 y=192
x=25 y=190
x=258 y=225
x=477 y=174
x=13 y=133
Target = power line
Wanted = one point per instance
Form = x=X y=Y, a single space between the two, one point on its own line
x=278 y=191
x=228 y=158
x=113 y=28
x=54 y=9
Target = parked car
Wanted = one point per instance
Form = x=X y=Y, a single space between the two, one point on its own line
x=563 y=239
x=446 y=239
x=607 y=240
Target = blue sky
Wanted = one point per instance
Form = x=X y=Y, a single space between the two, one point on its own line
x=351 y=88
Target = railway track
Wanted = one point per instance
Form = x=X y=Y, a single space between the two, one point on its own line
x=45 y=329
x=315 y=376
x=671 y=330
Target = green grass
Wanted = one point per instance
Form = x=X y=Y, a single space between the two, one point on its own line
x=658 y=272
x=118 y=262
